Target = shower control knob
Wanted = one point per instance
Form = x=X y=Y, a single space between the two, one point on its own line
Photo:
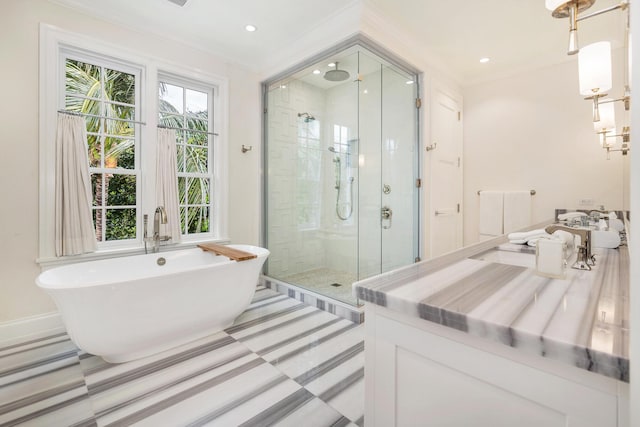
x=386 y=214
x=386 y=189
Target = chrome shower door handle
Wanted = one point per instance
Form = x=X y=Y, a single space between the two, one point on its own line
x=386 y=214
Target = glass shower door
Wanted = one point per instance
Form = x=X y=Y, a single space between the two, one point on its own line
x=388 y=235
x=399 y=170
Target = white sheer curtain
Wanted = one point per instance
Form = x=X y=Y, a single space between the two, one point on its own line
x=167 y=181
x=74 y=232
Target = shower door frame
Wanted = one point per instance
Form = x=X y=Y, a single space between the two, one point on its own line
x=366 y=43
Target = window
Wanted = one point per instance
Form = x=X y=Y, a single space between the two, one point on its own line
x=107 y=95
x=116 y=89
x=186 y=107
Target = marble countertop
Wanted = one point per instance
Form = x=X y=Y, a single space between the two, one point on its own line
x=491 y=290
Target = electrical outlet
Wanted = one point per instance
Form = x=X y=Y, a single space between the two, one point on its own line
x=586 y=202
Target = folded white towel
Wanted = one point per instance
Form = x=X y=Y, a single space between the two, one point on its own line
x=518 y=241
x=534 y=242
x=605 y=239
x=616 y=224
x=569 y=215
x=612 y=215
x=565 y=236
x=525 y=236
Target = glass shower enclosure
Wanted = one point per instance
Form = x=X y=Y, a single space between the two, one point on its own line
x=341 y=171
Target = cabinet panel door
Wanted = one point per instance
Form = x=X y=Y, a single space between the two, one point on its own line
x=421 y=378
x=430 y=392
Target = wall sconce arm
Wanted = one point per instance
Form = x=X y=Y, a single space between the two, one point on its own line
x=622 y=6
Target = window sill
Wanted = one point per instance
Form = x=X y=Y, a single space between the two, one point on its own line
x=46 y=263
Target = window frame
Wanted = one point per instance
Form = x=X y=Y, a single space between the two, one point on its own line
x=190 y=84
x=116 y=65
x=52 y=41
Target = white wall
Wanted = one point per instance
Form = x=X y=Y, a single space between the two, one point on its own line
x=534 y=131
x=634 y=237
x=293 y=250
x=19 y=35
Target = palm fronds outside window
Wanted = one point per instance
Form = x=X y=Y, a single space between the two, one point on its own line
x=187 y=110
x=107 y=97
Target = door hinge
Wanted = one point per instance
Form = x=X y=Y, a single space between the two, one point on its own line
x=458 y=207
x=265 y=111
x=458 y=161
x=418 y=182
x=418 y=102
x=459 y=115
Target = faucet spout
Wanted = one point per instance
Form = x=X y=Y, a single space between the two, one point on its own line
x=163 y=214
x=585 y=257
x=159 y=217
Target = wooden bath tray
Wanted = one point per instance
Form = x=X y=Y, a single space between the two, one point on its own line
x=234 y=254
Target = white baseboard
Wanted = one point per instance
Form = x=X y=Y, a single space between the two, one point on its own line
x=30 y=327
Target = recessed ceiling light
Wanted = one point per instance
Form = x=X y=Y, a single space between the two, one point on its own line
x=316 y=71
x=409 y=82
x=331 y=64
x=484 y=60
x=250 y=28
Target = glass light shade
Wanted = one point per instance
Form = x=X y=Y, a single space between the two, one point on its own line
x=607 y=116
x=553 y=4
x=594 y=67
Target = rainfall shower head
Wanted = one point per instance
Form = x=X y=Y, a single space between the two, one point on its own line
x=336 y=75
x=307 y=117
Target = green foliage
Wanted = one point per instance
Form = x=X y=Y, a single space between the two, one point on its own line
x=96 y=90
x=194 y=194
x=121 y=224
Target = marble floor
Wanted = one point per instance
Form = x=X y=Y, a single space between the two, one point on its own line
x=324 y=281
x=281 y=363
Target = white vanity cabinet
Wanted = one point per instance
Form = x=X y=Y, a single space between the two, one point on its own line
x=419 y=373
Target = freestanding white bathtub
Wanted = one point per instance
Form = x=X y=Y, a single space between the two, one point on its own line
x=130 y=307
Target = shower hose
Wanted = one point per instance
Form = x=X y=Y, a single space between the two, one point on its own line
x=339 y=187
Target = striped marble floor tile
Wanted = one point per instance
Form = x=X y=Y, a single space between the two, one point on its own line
x=281 y=363
x=41 y=384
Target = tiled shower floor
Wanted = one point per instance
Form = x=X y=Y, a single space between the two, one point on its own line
x=323 y=280
x=281 y=363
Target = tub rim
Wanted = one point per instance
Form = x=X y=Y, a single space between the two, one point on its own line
x=262 y=253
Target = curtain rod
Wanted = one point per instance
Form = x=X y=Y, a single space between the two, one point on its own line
x=76 y=113
x=532 y=192
x=187 y=129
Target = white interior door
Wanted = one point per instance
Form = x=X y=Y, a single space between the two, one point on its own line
x=445 y=152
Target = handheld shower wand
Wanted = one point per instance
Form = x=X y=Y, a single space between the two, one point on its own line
x=338 y=186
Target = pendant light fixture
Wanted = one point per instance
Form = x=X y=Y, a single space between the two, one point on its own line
x=594 y=72
x=594 y=67
x=571 y=9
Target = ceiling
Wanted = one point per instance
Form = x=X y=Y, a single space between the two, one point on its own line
x=515 y=34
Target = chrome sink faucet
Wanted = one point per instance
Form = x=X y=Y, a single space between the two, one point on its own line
x=585 y=258
x=159 y=217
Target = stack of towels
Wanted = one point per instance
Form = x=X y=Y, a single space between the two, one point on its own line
x=605 y=235
x=531 y=237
